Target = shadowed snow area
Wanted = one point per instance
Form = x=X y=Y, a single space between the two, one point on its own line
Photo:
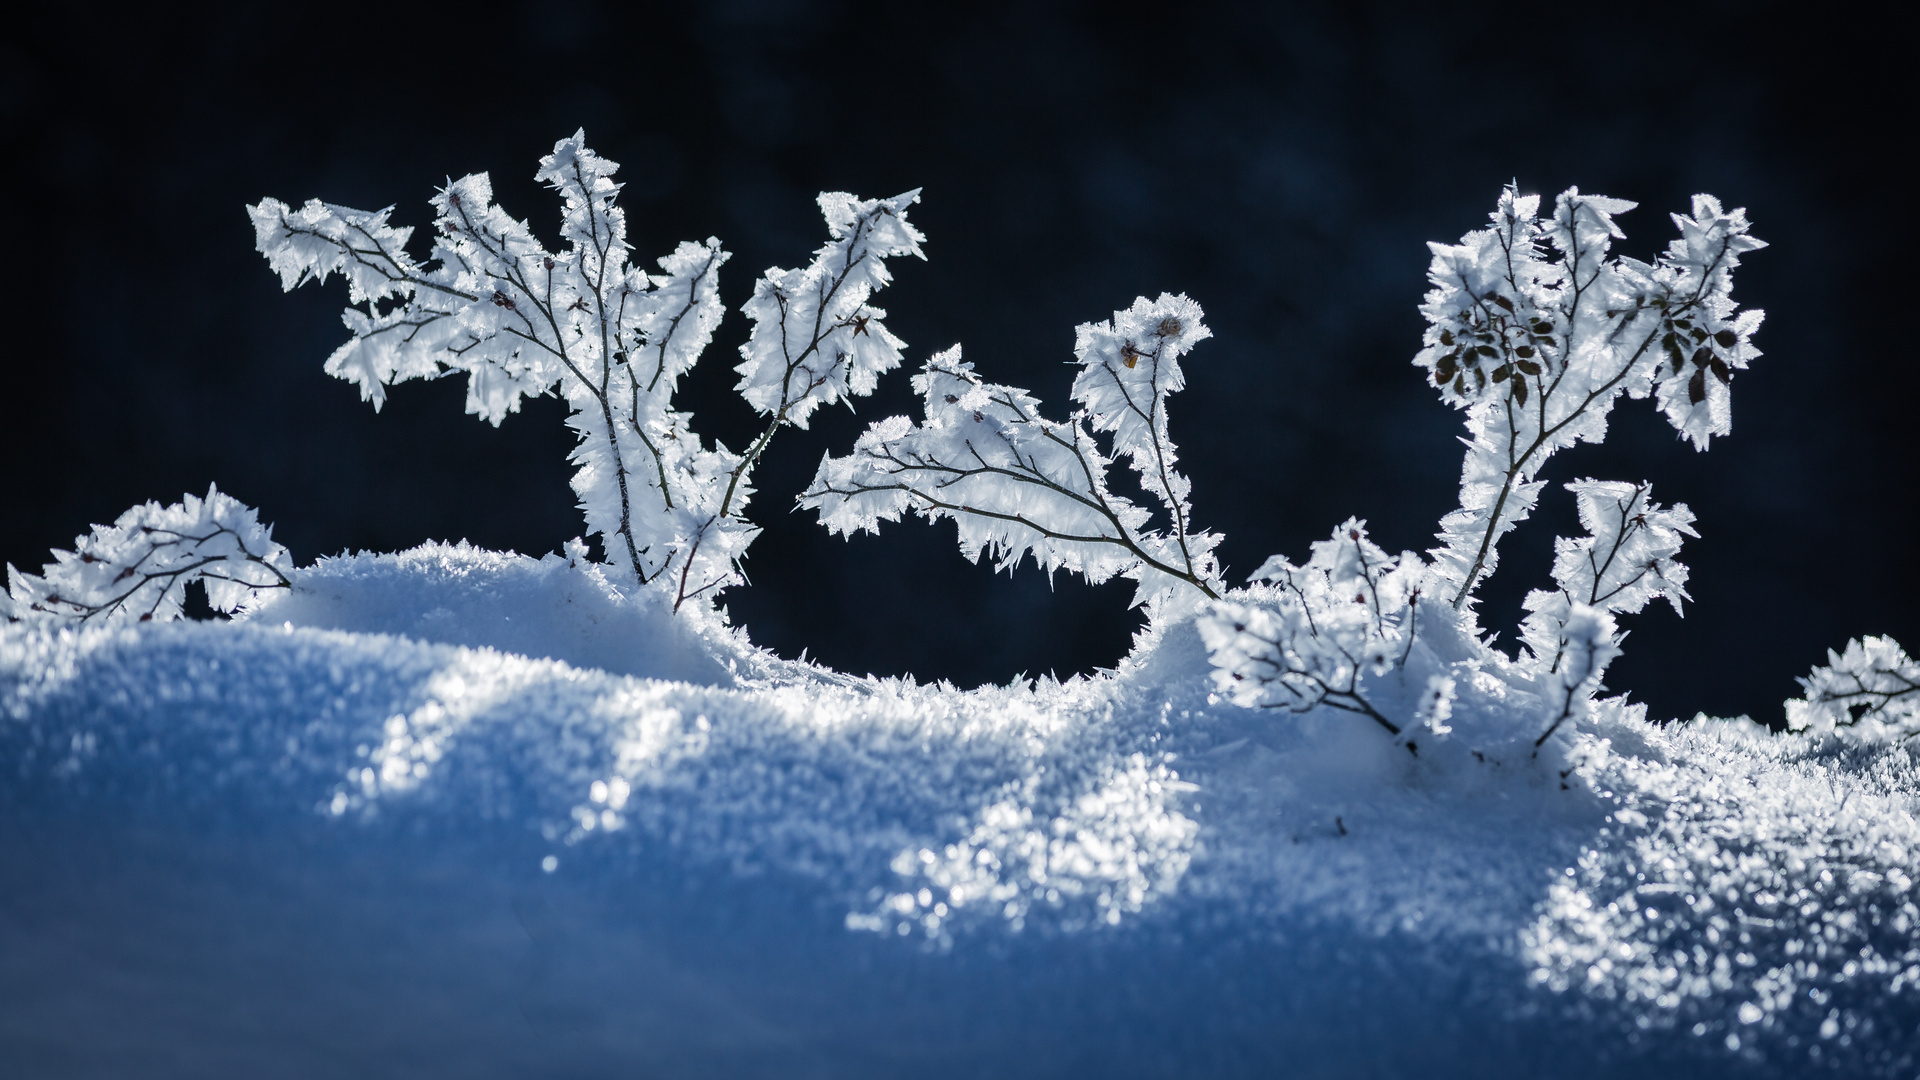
x=457 y=813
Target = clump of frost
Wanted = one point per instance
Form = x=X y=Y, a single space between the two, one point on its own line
x=139 y=567
x=1018 y=484
x=611 y=338
x=562 y=607
x=1870 y=692
x=1349 y=612
x=1535 y=330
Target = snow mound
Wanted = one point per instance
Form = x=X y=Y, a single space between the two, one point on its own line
x=557 y=607
x=1707 y=893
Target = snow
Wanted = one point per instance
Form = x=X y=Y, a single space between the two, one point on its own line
x=457 y=812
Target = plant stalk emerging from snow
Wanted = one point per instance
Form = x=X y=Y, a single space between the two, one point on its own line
x=613 y=339
x=1535 y=330
x=1309 y=638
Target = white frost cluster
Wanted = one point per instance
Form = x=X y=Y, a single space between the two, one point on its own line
x=1535 y=331
x=1017 y=483
x=139 y=567
x=815 y=338
x=1625 y=560
x=1349 y=612
x=1871 y=692
x=613 y=339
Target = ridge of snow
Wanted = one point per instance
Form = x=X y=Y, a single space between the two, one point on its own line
x=1709 y=880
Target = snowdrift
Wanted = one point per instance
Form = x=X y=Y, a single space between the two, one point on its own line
x=454 y=812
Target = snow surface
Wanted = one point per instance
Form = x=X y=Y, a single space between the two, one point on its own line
x=459 y=813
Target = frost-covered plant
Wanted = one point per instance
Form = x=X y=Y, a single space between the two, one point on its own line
x=139 y=567
x=1870 y=692
x=1536 y=331
x=1017 y=483
x=520 y=320
x=1307 y=640
x=1589 y=641
x=1625 y=560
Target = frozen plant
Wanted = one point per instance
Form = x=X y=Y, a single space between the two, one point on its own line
x=139 y=567
x=1306 y=639
x=1589 y=641
x=1625 y=560
x=1018 y=483
x=613 y=340
x=1535 y=330
x=1870 y=692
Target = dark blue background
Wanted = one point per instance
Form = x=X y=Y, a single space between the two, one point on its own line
x=1283 y=166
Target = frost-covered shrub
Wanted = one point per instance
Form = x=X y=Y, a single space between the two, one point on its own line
x=1870 y=692
x=1308 y=640
x=613 y=340
x=1535 y=331
x=1624 y=561
x=139 y=567
x=1018 y=483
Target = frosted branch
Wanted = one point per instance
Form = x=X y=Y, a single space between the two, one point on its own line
x=139 y=567
x=1017 y=483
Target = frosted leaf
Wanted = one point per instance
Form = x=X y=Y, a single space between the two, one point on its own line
x=1625 y=560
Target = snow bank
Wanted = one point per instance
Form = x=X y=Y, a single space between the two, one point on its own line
x=1705 y=898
